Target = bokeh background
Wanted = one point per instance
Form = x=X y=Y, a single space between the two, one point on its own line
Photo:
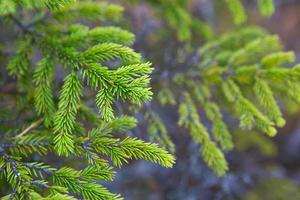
x=266 y=171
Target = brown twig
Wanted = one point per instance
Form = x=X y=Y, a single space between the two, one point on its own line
x=29 y=128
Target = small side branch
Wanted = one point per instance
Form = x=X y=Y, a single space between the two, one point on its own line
x=29 y=128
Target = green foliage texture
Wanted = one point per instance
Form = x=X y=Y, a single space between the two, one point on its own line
x=63 y=123
x=60 y=64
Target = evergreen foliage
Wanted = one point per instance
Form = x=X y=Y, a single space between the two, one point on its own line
x=265 y=189
x=243 y=73
x=246 y=141
x=178 y=16
x=60 y=63
x=62 y=123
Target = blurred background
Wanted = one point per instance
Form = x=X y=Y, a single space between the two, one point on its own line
x=266 y=170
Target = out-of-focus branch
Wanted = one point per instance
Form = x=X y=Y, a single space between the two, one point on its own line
x=29 y=128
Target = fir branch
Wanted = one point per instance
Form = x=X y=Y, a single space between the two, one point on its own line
x=64 y=121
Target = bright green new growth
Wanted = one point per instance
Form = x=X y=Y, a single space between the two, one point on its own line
x=64 y=120
x=97 y=59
